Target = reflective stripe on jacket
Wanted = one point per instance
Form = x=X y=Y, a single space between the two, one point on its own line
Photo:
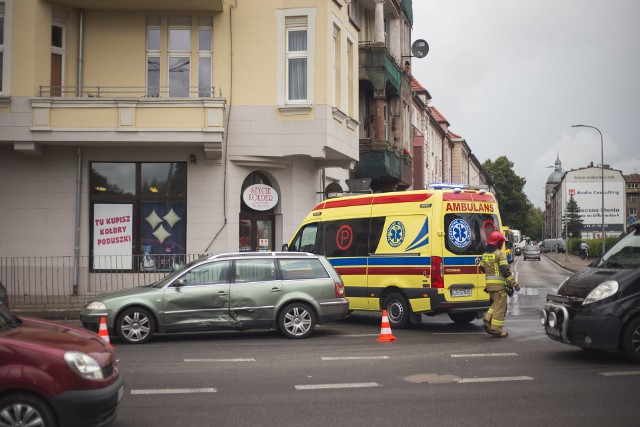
x=496 y=270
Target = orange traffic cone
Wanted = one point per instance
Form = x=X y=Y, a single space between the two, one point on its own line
x=385 y=329
x=103 y=332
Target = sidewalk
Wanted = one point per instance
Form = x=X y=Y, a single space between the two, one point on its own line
x=569 y=262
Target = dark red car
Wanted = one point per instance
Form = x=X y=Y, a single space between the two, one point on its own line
x=55 y=375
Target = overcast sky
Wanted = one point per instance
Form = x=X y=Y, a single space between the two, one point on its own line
x=512 y=76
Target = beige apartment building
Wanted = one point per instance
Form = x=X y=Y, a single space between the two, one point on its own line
x=135 y=131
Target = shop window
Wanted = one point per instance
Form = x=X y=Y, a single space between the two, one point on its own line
x=138 y=216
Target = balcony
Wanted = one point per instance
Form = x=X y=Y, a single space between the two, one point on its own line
x=381 y=67
x=127 y=116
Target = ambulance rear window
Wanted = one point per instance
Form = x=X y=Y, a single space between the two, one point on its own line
x=466 y=233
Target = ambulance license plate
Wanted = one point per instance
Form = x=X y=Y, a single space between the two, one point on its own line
x=455 y=293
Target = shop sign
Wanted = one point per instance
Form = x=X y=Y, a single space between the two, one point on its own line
x=260 y=197
x=112 y=236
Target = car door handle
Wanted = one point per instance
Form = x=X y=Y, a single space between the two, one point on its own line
x=276 y=290
x=222 y=293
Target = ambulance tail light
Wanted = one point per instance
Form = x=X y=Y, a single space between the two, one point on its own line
x=339 y=290
x=437 y=281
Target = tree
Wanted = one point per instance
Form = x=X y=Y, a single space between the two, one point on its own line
x=514 y=204
x=534 y=224
x=572 y=219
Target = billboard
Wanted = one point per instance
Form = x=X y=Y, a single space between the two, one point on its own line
x=585 y=185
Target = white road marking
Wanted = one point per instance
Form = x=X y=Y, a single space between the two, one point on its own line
x=485 y=355
x=356 y=335
x=355 y=358
x=494 y=379
x=332 y=386
x=219 y=360
x=175 y=391
x=619 y=374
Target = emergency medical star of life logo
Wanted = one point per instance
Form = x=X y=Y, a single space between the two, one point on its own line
x=395 y=234
x=459 y=233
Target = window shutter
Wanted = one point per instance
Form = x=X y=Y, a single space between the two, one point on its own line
x=296 y=21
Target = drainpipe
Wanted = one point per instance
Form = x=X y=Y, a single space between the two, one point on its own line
x=76 y=244
x=80 y=49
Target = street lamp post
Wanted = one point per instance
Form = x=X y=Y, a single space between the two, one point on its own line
x=601 y=175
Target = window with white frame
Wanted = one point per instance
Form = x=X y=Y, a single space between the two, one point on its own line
x=632 y=185
x=153 y=55
x=335 y=59
x=633 y=211
x=57 y=59
x=174 y=43
x=633 y=198
x=205 y=56
x=296 y=59
x=179 y=64
x=349 y=107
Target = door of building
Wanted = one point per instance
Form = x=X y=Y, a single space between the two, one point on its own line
x=257 y=214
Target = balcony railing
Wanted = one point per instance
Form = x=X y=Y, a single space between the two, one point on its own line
x=50 y=280
x=129 y=92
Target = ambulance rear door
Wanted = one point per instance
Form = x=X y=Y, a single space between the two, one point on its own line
x=465 y=229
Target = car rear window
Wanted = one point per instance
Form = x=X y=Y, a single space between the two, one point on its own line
x=296 y=269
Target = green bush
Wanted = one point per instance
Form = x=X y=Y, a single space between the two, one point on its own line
x=595 y=246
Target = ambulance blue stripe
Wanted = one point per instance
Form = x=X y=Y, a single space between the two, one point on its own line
x=348 y=262
x=461 y=260
x=382 y=261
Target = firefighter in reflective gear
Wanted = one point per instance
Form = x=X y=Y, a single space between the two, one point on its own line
x=500 y=283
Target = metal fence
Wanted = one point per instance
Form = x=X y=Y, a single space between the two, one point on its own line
x=50 y=280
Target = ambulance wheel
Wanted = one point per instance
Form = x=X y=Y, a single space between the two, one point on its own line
x=631 y=340
x=398 y=311
x=463 y=318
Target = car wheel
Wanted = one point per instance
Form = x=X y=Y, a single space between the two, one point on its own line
x=297 y=320
x=631 y=340
x=135 y=325
x=398 y=311
x=463 y=318
x=26 y=409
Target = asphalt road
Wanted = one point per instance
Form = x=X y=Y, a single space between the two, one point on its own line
x=437 y=374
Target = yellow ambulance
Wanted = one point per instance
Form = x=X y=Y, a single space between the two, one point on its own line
x=411 y=253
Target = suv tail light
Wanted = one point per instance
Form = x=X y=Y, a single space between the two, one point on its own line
x=339 y=290
x=437 y=280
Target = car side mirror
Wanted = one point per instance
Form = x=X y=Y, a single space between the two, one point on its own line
x=180 y=282
x=285 y=247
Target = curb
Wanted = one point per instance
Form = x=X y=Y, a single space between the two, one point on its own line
x=49 y=313
x=564 y=266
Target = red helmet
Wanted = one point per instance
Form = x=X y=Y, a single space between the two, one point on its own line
x=496 y=238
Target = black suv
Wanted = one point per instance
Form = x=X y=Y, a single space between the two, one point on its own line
x=599 y=306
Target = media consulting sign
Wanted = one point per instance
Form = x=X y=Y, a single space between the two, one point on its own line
x=585 y=185
x=260 y=197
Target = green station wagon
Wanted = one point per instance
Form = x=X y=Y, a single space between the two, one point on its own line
x=292 y=292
